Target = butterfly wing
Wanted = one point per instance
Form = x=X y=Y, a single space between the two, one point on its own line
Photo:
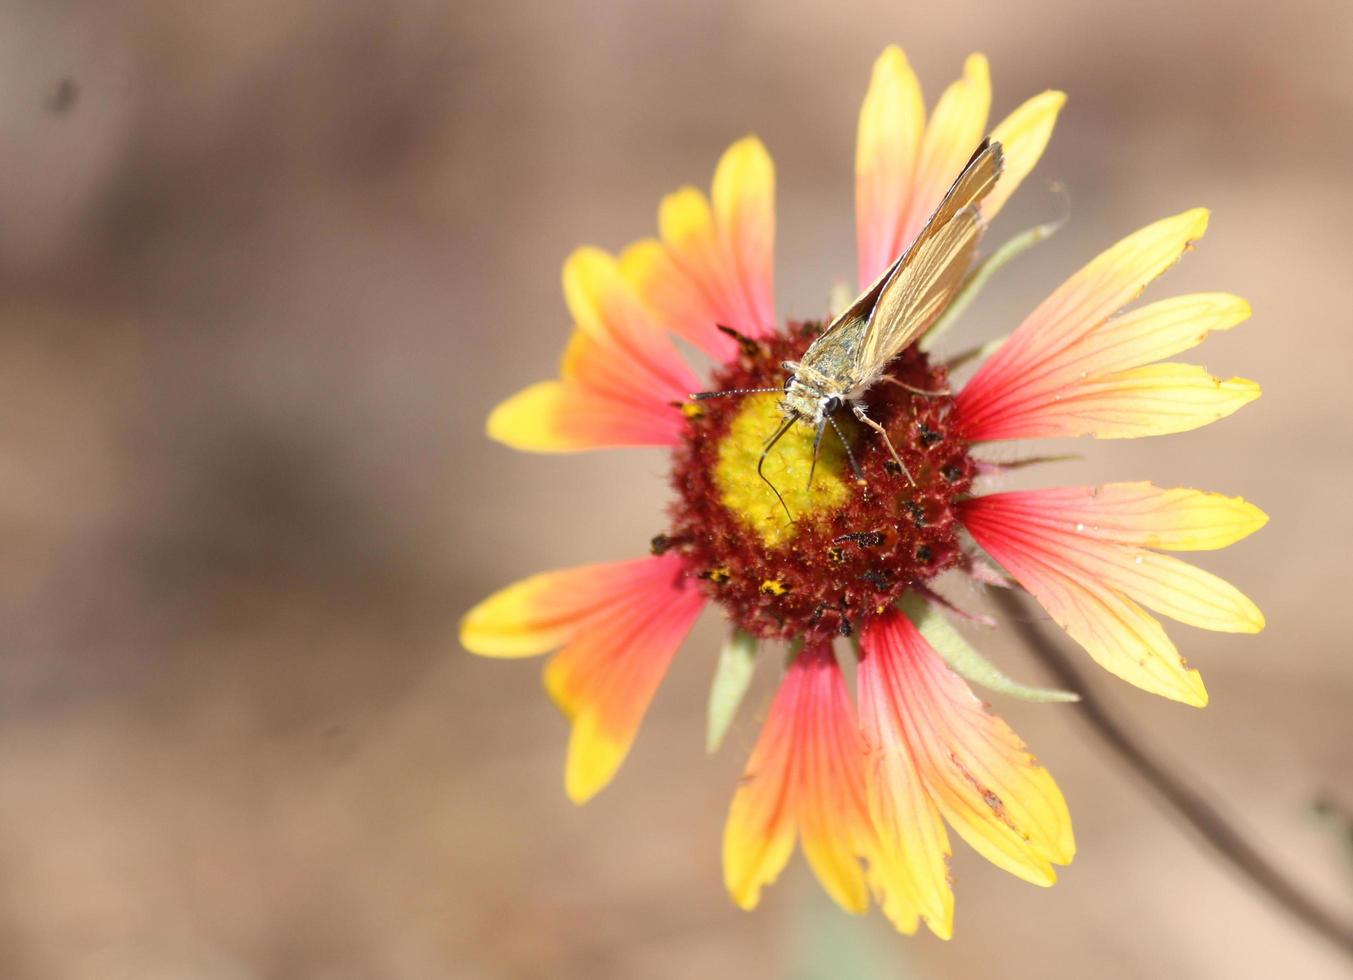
x=920 y=284
x=920 y=291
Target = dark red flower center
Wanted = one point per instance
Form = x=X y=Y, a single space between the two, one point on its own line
x=853 y=546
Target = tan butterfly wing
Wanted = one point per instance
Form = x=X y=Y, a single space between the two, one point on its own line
x=918 y=294
x=925 y=278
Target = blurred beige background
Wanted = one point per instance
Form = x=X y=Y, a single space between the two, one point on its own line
x=265 y=266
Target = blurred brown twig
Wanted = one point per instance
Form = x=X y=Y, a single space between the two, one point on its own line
x=1219 y=833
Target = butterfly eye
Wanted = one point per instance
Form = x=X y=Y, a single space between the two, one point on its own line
x=830 y=406
x=789 y=383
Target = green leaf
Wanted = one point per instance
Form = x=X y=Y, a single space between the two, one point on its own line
x=964 y=658
x=978 y=277
x=732 y=677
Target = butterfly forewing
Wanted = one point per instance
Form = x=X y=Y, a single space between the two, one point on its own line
x=920 y=291
x=930 y=271
x=911 y=292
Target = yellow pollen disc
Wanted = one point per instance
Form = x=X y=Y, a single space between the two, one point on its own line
x=746 y=494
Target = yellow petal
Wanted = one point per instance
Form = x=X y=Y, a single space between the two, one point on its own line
x=1154 y=332
x=892 y=122
x=1023 y=135
x=983 y=778
x=1121 y=637
x=1181 y=591
x=1142 y=514
x=955 y=130
x=1068 y=575
x=759 y=832
x=743 y=193
x=606 y=676
x=594 y=757
x=1157 y=399
x=1109 y=282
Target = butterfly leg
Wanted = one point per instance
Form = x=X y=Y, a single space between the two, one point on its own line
x=860 y=414
x=817 y=444
x=850 y=453
x=889 y=379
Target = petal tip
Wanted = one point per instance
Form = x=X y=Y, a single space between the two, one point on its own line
x=892 y=59
x=520 y=422
x=1196 y=220
x=1194 y=693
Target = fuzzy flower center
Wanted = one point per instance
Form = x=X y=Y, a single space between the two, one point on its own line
x=853 y=546
x=787 y=467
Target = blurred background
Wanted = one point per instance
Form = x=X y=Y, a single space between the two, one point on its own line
x=264 y=268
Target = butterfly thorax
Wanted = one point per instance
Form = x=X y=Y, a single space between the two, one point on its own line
x=814 y=391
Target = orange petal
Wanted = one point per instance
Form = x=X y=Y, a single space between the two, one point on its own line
x=548 y=610
x=606 y=675
x=1023 y=135
x=979 y=772
x=806 y=773
x=622 y=351
x=676 y=300
x=759 y=834
x=892 y=122
x=622 y=379
x=725 y=252
x=912 y=866
x=565 y=417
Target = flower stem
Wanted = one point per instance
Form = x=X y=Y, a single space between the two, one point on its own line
x=1226 y=840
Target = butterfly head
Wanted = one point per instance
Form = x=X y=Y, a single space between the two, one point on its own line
x=806 y=398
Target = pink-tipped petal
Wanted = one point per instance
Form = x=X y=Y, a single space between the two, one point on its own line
x=726 y=251
x=1057 y=354
x=677 y=301
x=912 y=869
x=622 y=381
x=1095 y=583
x=805 y=776
x=985 y=781
x=606 y=675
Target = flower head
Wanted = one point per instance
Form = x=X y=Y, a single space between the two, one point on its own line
x=808 y=542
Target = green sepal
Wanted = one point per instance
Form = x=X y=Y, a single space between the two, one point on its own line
x=964 y=659
x=732 y=677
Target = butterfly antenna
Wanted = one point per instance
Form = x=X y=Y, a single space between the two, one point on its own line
x=700 y=396
x=793 y=417
x=850 y=454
